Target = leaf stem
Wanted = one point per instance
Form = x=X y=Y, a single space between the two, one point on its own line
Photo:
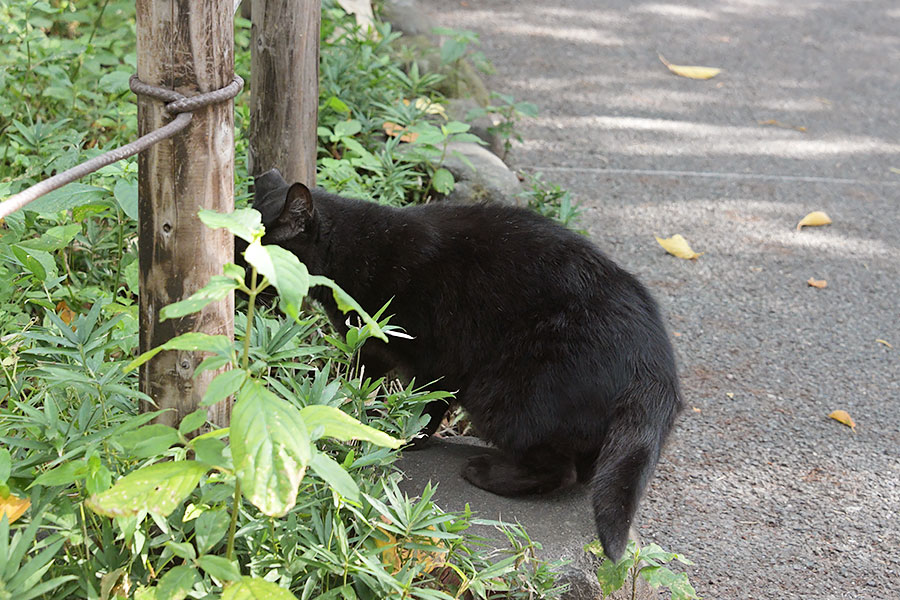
x=232 y=527
x=245 y=359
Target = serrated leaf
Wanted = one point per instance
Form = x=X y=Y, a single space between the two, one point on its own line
x=191 y=341
x=337 y=424
x=210 y=527
x=176 y=583
x=691 y=72
x=245 y=223
x=218 y=288
x=13 y=507
x=678 y=246
x=223 y=385
x=816 y=218
x=126 y=194
x=220 y=567
x=842 y=416
x=335 y=476
x=254 y=588
x=270 y=448
x=159 y=489
x=283 y=270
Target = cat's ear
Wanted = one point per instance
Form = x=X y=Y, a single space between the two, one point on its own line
x=298 y=212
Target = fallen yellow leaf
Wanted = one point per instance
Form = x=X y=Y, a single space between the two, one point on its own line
x=393 y=130
x=842 y=416
x=884 y=342
x=814 y=219
x=678 y=246
x=817 y=283
x=13 y=507
x=691 y=72
x=894 y=170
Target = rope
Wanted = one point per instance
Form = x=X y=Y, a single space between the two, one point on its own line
x=176 y=104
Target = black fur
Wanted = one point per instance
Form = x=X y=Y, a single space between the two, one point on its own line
x=559 y=356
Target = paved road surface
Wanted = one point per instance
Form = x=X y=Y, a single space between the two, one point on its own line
x=768 y=496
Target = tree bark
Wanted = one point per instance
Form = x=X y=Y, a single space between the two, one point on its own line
x=188 y=46
x=285 y=81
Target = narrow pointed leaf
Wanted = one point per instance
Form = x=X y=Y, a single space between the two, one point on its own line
x=193 y=341
x=334 y=475
x=283 y=270
x=218 y=288
x=337 y=424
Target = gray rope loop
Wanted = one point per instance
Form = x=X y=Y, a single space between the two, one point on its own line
x=178 y=103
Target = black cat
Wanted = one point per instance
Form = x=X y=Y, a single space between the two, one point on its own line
x=559 y=356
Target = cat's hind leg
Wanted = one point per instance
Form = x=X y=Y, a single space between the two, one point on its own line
x=537 y=470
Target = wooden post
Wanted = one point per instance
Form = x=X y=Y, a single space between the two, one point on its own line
x=188 y=46
x=284 y=102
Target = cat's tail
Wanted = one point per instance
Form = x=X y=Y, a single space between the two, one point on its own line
x=628 y=456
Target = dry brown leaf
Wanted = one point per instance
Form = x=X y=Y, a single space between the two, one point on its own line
x=65 y=313
x=817 y=283
x=396 y=556
x=13 y=507
x=842 y=416
x=814 y=219
x=678 y=246
x=393 y=130
x=775 y=123
x=691 y=72
x=884 y=342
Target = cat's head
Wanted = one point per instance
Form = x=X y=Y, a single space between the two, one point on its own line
x=289 y=216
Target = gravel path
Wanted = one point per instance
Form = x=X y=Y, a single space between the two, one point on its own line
x=768 y=496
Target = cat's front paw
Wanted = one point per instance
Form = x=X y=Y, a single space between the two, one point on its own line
x=478 y=470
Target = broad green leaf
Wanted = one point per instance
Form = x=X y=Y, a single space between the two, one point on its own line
x=334 y=475
x=283 y=270
x=132 y=277
x=337 y=105
x=219 y=287
x=115 y=82
x=223 y=385
x=220 y=567
x=347 y=128
x=337 y=424
x=159 y=489
x=41 y=264
x=176 y=583
x=182 y=550
x=150 y=440
x=64 y=474
x=210 y=451
x=612 y=575
x=346 y=303
x=192 y=422
x=210 y=527
x=126 y=193
x=194 y=341
x=66 y=197
x=451 y=127
x=443 y=181
x=270 y=448
x=99 y=478
x=245 y=223
x=254 y=588
x=54 y=238
x=677 y=583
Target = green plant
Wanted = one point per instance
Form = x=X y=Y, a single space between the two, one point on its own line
x=507 y=111
x=551 y=201
x=643 y=563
